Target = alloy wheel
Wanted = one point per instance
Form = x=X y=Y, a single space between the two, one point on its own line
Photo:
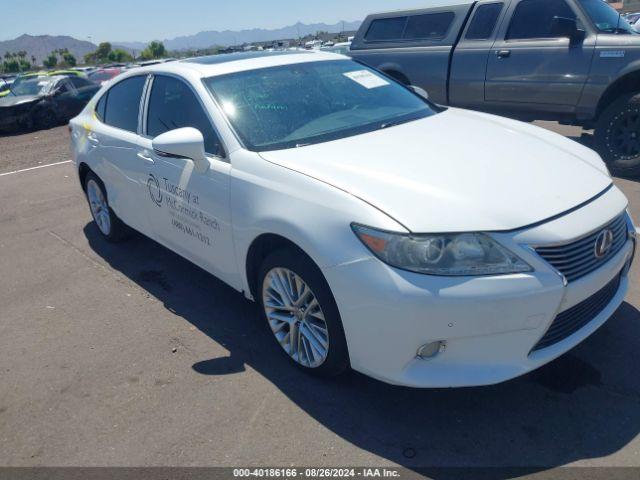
x=99 y=207
x=295 y=317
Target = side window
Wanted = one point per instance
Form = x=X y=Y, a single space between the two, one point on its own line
x=79 y=82
x=535 y=19
x=101 y=107
x=386 y=29
x=172 y=104
x=484 y=21
x=123 y=104
x=430 y=26
x=62 y=87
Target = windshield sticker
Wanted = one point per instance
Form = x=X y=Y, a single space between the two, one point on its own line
x=612 y=54
x=367 y=79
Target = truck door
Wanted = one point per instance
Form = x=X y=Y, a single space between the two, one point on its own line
x=534 y=61
x=469 y=63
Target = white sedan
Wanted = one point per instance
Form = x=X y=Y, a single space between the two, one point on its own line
x=421 y=245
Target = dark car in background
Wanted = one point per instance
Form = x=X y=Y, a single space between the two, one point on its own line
x=44 y=101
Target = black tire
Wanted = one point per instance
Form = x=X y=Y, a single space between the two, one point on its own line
x=617 y=136
x=117 y=231
x=337 y=358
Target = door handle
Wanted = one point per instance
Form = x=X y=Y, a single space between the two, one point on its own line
x=146 y=159
x=93 y=139
x=503 y=53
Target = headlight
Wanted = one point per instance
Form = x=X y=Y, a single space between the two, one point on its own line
x=449 y=254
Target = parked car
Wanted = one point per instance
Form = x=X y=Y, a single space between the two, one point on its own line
x=5 y=84
x=26 y=76
x=85 y=70
x=44 y=101
x=348 y=207
x=573 y=61
x=341 y=48
x=103 y=75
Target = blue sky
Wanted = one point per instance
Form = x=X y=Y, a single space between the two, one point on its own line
x=144 y=20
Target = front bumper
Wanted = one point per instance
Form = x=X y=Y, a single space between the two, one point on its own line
x=490 y=324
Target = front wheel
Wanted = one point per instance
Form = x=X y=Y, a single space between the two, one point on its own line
x=302 y=314
x=617 y=135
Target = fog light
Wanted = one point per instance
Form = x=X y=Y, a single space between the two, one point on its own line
x=430 y=350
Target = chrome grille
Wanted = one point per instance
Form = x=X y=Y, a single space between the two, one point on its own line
x=577 y=259
x=570 y=321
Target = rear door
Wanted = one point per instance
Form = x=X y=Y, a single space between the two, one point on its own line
x=113 y=144
x=532 y=64
x=189 y=211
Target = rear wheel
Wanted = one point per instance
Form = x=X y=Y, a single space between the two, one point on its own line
x=302 y=314
x=109 y=225
x=617 y=135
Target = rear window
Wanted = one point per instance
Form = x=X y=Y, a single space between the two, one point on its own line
x=430 y=26
x=101 y=107
x=123 y=104
x=484 y=22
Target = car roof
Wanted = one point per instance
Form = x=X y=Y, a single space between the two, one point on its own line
x=222 y=64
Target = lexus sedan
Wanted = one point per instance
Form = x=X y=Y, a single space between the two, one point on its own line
x=421 y=245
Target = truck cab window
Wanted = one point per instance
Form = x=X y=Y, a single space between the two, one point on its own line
x=535 y=19
x=484 y=21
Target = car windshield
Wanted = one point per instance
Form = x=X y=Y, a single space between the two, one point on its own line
x=305 y=103
x=31 y=86
x=606 y=18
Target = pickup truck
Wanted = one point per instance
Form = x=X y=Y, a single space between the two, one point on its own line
x=572 y=61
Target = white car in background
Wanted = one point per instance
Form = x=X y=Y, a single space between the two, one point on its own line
x=420 y=245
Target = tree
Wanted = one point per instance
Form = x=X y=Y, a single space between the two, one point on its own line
x=51 y=61
x=154 y=50
x=119 y=56
x=101 y=55
x=68 y=59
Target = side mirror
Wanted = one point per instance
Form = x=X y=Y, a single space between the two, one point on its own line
x=183 y=143
x=567 y=27
x=421 y=92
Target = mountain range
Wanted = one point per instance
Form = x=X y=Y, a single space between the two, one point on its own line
x=238 y=37
x=41 y=46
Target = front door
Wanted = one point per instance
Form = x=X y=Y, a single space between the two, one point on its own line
x=189 y=211
x=531 y=63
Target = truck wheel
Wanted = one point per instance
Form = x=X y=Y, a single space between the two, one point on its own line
x=617 y=135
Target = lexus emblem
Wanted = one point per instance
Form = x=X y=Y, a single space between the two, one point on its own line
x=604 y=241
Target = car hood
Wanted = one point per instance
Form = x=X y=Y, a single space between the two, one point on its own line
x=12 y=100
x=457 y=171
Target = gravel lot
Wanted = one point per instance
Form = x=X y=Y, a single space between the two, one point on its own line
x=130 y=356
